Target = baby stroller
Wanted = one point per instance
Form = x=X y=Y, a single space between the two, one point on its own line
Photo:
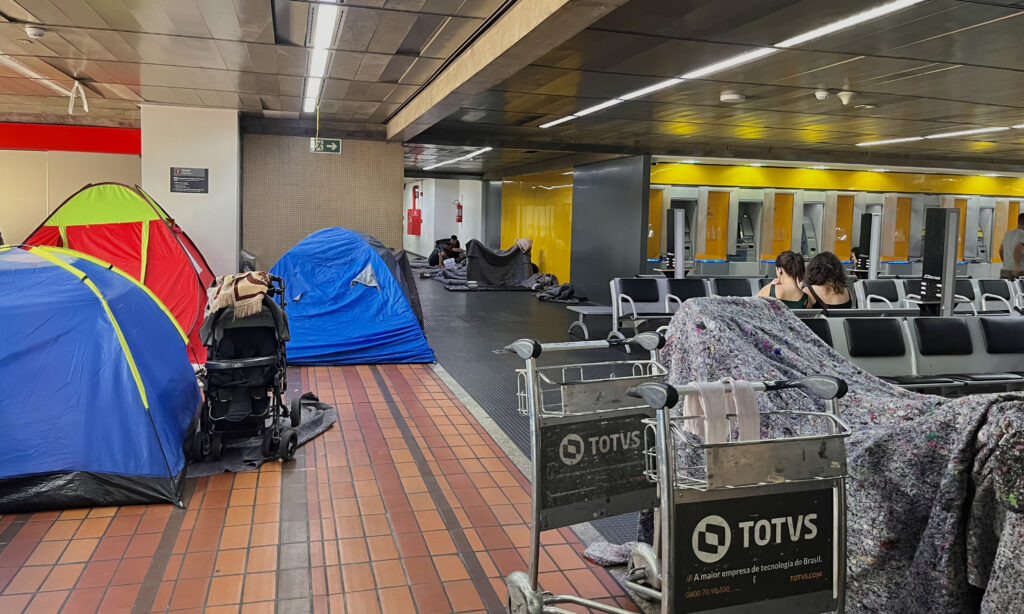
x=244 y=380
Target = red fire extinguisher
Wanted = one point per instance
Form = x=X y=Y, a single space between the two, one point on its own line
x=458 y=212
x=415 y=219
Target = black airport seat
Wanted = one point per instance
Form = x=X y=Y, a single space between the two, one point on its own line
x=877 y=345
x=641 y=290
x=946 y=349
x=687 y=288
x=733 y=287
x=819 y=326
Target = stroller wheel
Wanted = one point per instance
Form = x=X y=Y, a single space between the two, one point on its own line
x=216 y=446
x=295 y=413
x=289 y=443
x=267 y=447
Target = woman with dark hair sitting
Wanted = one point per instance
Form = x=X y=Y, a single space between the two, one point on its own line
x=826 y=282
x=789 y=275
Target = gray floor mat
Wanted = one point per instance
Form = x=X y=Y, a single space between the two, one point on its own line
x=244 y=454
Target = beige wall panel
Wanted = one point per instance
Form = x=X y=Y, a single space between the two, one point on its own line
x=23 y=198
x=70 y=171
x=288 y=192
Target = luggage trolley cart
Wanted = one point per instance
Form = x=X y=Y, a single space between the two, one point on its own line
x=587 y=449
x=747 y=526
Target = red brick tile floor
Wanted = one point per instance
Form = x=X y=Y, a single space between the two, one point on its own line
x=407 y=505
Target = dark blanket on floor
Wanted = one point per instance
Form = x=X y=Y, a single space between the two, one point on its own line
x=244 y=454
x=936 y=485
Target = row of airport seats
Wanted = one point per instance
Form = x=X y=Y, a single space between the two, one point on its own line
x=951 y=354
x=971 y=295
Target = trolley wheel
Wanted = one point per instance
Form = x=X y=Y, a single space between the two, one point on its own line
x=216 y=446
x=644 y=565
x=267 y=447
x=289 y=444
x=295 y=413
x=197 y=446
x=521 y=598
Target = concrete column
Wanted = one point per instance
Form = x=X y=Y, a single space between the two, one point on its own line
x=205 y=139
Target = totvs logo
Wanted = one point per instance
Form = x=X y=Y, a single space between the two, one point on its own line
x=573 y=447
x=712 y=536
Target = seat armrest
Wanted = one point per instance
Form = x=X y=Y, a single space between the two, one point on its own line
x=986 y=297
x=875 y=297
x=632 y=305
x=668 y=300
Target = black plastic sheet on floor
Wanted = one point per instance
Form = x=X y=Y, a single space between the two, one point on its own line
x=244 y=454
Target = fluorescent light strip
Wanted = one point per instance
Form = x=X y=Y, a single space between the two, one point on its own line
x=940 y=135
x=946 y=135
x=848 y=22
x=323 y=30
x=323 y=35
x=890 y=141
x=459 y=159
x=18 y=67
x=747 y=56
x=735 y=60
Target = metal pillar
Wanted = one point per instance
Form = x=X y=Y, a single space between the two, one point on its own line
x=680 y=243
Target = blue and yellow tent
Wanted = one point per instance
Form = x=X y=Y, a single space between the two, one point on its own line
x=97 y=392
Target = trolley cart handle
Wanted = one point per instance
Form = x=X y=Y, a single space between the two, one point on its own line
x=531 y=348
x=659 y=395
x=843 y=429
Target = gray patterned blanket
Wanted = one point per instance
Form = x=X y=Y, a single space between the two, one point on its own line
x=936 y=491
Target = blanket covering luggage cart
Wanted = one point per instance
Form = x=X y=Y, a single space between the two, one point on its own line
x=935 y=486
x=97 y=392
x=345 y=305
x=124 y=226
x=505 y=267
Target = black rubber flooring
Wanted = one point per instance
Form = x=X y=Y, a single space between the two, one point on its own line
x=465 y=328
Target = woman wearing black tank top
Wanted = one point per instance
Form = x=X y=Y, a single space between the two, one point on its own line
x=826 y=282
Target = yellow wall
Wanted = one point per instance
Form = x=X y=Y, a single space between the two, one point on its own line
x=782 y=227
x=901 y=237
x=961 y=205
x=654 y=214
x=810 y=179
x=716 y=230
x=844 y=225
x=539 y=207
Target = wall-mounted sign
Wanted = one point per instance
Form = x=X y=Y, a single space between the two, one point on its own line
x=325 y=145
x=190 y=180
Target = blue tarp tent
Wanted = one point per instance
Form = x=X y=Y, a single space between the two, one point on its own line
x=345 y=305
x=97 y=391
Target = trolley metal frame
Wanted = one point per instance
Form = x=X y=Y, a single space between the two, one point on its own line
x=569 y=407
x=749 y=480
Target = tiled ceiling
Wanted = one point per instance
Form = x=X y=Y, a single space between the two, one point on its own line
x=939 y=66
x=243 y=54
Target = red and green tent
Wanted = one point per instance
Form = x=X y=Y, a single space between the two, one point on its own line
x=124 y=226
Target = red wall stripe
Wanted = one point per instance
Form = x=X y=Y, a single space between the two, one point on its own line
x=51 y=137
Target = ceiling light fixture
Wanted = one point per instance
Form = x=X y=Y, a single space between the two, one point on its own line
x=688 y=162
x=879 y=170
x=992 y=175
x=890 y=141
x=946 y=135
x=324 y=26
x=459 y=159
x=18 y=67
x=755 y=164
x=819 y=168
x=747 y=56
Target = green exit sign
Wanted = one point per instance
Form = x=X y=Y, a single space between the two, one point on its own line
x=325 y=145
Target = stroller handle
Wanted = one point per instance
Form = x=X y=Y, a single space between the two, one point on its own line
x=278 y=289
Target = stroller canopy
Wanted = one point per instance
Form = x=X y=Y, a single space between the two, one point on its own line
x=345 y=306
x=97 y=388
x=123 y=226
